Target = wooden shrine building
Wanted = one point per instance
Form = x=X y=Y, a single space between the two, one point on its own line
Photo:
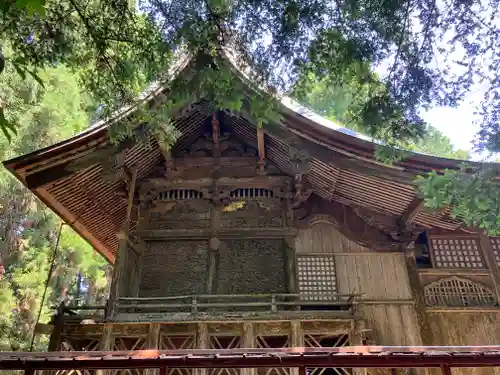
x=292 y=235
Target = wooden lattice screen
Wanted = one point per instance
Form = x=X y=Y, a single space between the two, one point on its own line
x=495 y=243
x=457 y=292
x=456 y=253
x=316 y=277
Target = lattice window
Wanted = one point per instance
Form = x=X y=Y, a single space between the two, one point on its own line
x=495 y=243
x=457 y=253
x=316 y=277
x=457 y=292
x=179 y=194
x=249 y=193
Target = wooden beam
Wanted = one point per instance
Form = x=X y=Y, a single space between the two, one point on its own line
x=262 y=150
x=215 y=135
x=415 y=206
x=489 y=257
x=53 y=174
x=426 y=334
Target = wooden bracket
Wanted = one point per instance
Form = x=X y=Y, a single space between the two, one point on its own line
x=415 y=206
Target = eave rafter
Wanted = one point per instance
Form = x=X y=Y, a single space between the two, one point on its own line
x=54 y=173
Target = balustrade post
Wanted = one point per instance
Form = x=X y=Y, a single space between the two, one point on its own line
x=194 y=305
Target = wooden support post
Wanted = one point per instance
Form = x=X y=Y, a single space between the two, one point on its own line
x=121 y=256
x=216 y=135
x=202 y=342
x=418 y=296
x=262 y=150
x=291 y=269
x=55 y=337
x=106 y=344
x=491 y=262
x=213 y=254
x=153 y=342
x=248 y=342
x=134 y=288
x=296 y=340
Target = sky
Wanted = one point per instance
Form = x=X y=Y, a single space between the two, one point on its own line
x=456 y=123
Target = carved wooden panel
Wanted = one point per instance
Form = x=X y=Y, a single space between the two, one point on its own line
x=181 y=214
x=316 y=277
x=495 y=244
x=458 y=292
x=173 y=268
x=251 y=266
x=456 y=253
x=244 y=213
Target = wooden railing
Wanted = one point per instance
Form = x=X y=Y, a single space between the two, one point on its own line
x=212 y=303
x=215 y=304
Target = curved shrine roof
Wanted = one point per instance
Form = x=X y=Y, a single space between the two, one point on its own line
x=343 y=168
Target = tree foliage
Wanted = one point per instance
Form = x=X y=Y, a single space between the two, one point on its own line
x=28 y=230
x=341 y=103
x=434 y=52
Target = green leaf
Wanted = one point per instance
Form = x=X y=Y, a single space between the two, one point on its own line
x=20 y=70
x=36 y=78
x=32 y=6
x=5 y=125
x=2 y=62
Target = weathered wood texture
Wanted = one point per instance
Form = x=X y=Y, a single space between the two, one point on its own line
x=454 y=328
x=379 y=276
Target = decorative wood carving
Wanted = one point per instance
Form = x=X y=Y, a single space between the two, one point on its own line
x=228 y=145
x=373 y=230
x=302 y=190
x=458 y=292
x=389 y=224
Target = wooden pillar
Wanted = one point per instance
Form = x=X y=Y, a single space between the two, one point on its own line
x=213 y=254
x=491 y=263
x=106 y=344
x=55 y=336
x=248 y=342
x=291 y=267
x=262 y=152
x=153 y=342
x=296 y=340
x=202 y=342
x=418 y=296
x=121 y=256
